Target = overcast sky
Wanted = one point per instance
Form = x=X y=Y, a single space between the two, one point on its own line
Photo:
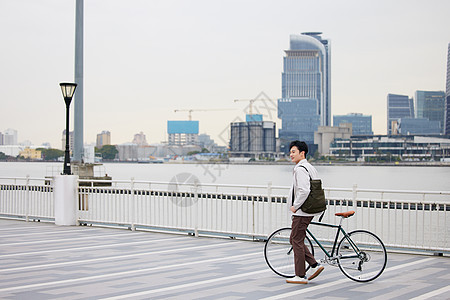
x=144 y=59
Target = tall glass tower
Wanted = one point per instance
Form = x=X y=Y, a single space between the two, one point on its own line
x=447 y=96
x=430 y=105
x=306 y=88
x=398 y=106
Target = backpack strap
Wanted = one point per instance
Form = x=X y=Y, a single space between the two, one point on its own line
x=321 y=216
x=306 y=171
x=294 y=186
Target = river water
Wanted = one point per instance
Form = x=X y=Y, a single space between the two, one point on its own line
x=366 y=177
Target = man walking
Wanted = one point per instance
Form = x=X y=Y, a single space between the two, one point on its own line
x=300 y=220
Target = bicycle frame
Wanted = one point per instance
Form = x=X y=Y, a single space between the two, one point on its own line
x=339 y=230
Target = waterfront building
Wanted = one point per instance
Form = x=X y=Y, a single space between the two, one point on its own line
x=11 y=150
x=140 y=139
x=361 y=125
x=103 y=138
x=447 y=96
x=134 y=152
x=406 y=147
x=127 y=152
x=408 y=126
x=325 y=135
x=250 y=139
x=63 y=140
x=430 y=105
x=398 y=106
x=29 y=153
x=183 y=132
x=305 y=103
x=148 y=153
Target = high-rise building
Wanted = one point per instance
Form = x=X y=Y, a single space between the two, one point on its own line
x=103 y=138
x=398 y=106
x=430 y=105
x=447 y=96
x=183 y=132
x=306 y=86
x=361 y=125
x=1 y=138
x=10 y=137
x=299 y=120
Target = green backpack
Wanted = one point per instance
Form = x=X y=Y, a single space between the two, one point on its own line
x=315 y=202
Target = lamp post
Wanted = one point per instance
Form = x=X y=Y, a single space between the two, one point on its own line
x=67 y=89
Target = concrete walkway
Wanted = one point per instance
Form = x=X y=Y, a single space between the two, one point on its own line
x=44 y=261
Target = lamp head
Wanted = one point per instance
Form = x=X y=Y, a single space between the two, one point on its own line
x=68 y=89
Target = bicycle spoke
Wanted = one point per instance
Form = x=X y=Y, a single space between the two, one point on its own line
x=361 y=256
x=279 y=254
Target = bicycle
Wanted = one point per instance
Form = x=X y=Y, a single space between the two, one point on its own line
x=360 y=254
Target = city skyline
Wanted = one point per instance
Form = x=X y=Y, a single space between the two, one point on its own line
x=145 y=59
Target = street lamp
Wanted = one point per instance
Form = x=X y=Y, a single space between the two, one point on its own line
x=67 y=89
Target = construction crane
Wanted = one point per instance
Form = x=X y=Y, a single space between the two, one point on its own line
x=250 y=110
x=192 y=110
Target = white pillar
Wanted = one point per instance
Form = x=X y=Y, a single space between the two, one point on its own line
x=79 y=79
x=65 y=188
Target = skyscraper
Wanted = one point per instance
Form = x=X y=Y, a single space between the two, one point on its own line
x=305 y=103
x=447 y=95
x=430 y=105
x=398 y=106
x=103 y=138
x=10 y=137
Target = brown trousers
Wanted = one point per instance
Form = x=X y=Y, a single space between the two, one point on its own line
x=297 y=240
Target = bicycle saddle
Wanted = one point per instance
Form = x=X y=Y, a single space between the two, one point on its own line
x=345 y=214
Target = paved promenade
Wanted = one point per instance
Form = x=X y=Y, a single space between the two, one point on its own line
x=44 y=261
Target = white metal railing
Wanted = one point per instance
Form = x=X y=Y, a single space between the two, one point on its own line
x=402 y=219
x=29 y=198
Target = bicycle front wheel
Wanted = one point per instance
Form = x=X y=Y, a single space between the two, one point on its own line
x=361 y=256
x=279 y=254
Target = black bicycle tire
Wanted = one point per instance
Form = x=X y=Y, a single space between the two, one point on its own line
x=268 y=260
x=382 y=246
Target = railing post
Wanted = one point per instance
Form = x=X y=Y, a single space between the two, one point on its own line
x=132 y=208
x=253 y=216
x=27 y=199
x=354 y=197
x=196 y=214
x=269 y=201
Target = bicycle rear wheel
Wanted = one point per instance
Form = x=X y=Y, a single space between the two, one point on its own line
x=279 y=254
x=361 y=256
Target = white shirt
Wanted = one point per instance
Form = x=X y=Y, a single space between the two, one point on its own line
x=301 y=186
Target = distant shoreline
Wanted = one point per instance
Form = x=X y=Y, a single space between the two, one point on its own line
x=316 y=163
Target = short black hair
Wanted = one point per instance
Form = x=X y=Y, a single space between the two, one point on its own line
x=301 y=146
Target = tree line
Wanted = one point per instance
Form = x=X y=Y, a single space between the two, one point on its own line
x=108 y=152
